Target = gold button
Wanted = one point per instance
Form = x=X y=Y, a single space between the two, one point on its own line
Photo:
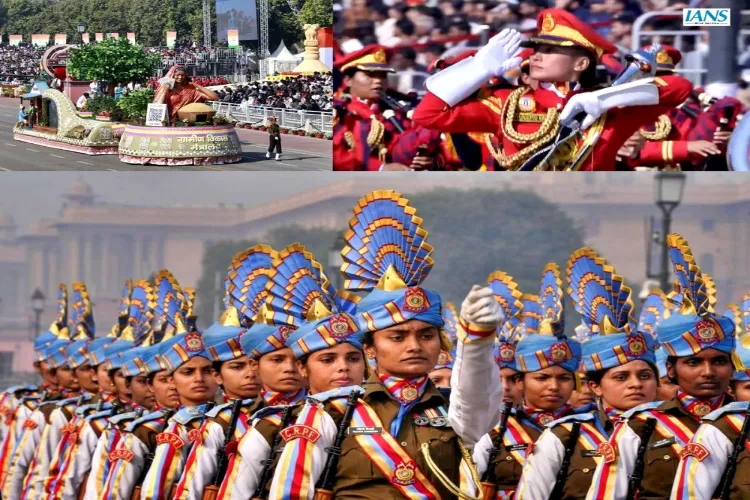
x=508 y=458
x=586 y=470
x=403 y=443
x=667 y=457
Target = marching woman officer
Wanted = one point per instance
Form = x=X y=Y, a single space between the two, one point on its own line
x=717 y=464
x=699 y=344
x=399 y=441
x=619 y=364
x=236 y=373
x=548 y=361
x=189 y=364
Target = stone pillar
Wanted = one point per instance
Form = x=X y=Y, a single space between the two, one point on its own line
x=73 y=272
x=105 y=263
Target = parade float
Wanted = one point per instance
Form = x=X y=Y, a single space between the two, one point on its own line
x=180 y=129
x=56 y=122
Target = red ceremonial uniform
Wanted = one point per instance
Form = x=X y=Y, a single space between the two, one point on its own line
x=363 y=139
x=526 y=119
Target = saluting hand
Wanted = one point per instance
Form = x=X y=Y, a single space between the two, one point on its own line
x=480 y=308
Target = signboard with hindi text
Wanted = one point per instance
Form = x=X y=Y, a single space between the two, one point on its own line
x=171 y=38
x=131 y=38
x=240 y=15
x=85 y=38
x=40 y=40
x=15 y=39
x=99 y=36
x=60 y=38
x=233 y=37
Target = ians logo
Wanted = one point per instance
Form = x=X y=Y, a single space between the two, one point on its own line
x=706 y=17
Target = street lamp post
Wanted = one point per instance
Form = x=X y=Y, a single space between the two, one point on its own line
x=37 y=305
x=81 y=30
x=335 y=261
x=668 y=190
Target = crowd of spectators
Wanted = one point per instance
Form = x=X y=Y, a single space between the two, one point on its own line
x=423 y=31
x=307 y=93
x=19 y=64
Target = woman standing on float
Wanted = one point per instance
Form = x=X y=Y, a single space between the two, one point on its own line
x=699 y=344
x=619 y=364
x=547 y=361
x=401 y=438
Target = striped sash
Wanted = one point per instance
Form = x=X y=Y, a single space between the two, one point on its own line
x=297 y=456
x=398 y=467
x=668 y=426
x=514 y=439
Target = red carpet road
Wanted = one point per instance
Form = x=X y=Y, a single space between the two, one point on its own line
x=300 y=153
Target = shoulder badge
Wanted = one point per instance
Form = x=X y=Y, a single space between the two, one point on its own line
x=340 y=392
x=214 y=412
x=150 y=417
x=576 y=417
x=695 y=450
x=640 y=409
x=186 y=415
x=123 y=417
x=734 y=407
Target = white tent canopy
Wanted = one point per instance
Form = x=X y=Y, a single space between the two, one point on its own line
x=283 y=54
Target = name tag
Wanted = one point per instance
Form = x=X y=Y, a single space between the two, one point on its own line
x=661 y=443
x=590 y=453
x=364 y=431
x=516 y=447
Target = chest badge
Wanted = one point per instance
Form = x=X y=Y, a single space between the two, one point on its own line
x=527 y=104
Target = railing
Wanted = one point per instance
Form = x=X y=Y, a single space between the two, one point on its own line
x=287 y=118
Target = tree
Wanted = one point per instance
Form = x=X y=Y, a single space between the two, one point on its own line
x=113 y=60
x=283 y=24
x=317 y=12
x=474 y=233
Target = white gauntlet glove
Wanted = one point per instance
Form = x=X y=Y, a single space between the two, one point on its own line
x=480 y=308
x=594 y=104
x=457 y=82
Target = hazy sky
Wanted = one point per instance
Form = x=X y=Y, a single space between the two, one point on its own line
x=29 y=196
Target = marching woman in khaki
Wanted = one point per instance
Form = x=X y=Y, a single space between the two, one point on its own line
x=521 y=318
x=298 y=291
x=643 y=452
x=189 y=364
x=717 y=465
x=619 y=365
x=398 y=438
x=548 y=361
x=237 y=374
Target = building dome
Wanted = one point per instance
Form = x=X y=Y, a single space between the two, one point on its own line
x=80 y=193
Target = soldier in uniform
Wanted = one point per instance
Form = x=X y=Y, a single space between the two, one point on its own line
x=190 y=365
x=399 y=442
x=59 y=415
x=295 y=280
x=134 y=452
x=702 y=474
x=619 y=365
x=526 y=119
x=548 y=361
x=31 y=418
x=643 y=452
x=667 y=145
x=364 y=139
x=236 y=373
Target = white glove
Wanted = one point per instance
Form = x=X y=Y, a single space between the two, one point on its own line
x=457 y=82
x=588 y=102
x=638 y=93
x=500 y=53
x=481 y=308
x=169 y=81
